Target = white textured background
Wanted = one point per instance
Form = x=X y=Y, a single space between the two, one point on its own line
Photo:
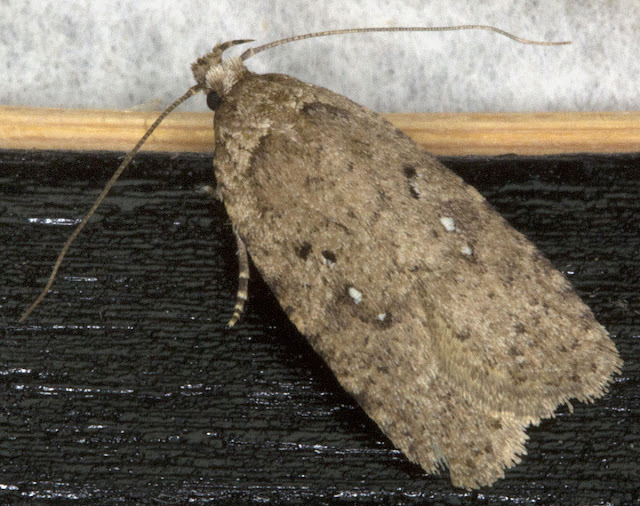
x=120 y=54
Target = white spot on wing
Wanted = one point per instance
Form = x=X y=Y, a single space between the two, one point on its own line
x=466 y=250
x=328 y=262
x=382 y=316
x=355 y=294
x=448 y=223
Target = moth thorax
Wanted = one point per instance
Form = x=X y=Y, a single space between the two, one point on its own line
x=222 y=77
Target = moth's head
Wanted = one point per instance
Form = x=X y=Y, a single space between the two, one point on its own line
x=216 y=77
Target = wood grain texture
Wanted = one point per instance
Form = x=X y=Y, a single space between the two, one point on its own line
x=126 y=386
x=440 y=134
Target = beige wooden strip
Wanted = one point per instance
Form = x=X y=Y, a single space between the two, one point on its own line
x=442 y=134
x=523 y=133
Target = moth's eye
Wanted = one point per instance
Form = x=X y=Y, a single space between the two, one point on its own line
x=213 y=100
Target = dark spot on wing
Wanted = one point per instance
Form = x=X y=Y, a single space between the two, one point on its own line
x=330 y=256
x=463 y=335
x=470 y=463
x=311 y=181
x=409 y=171
x=515 y=351
x=303 y=250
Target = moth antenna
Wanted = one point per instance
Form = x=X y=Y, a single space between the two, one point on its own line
x=192 y=91
x=252 y=51
x=230 y=43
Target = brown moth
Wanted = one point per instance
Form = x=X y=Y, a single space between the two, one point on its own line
x=448 y=326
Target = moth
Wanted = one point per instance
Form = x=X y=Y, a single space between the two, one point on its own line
x=448 y=326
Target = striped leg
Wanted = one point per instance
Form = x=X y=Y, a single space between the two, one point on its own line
x=243 y=281
x=243 y=267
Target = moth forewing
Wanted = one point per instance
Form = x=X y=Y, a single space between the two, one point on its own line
x=448 y=326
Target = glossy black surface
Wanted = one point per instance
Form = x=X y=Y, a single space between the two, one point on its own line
x=125 y=384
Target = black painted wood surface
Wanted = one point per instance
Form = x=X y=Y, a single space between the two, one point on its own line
x=126 y=386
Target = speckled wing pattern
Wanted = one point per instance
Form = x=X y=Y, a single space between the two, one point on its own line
x=448 y=326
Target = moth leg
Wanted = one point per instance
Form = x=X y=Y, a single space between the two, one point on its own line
x=243 y=281
x=213 y=192
x=243 y=265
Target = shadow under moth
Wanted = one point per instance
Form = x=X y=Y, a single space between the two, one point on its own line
x=448 y=326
